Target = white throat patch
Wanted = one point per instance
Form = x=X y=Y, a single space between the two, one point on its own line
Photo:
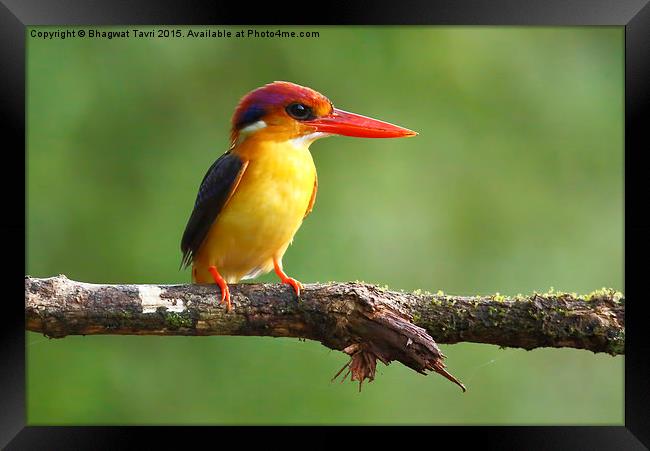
x=304 y=141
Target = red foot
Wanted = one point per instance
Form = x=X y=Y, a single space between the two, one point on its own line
x=225 y=292
x=297 y=286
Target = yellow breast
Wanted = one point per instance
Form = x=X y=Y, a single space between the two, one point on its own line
x=263 y=214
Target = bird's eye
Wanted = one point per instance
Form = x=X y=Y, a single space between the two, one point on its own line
x=300 y=112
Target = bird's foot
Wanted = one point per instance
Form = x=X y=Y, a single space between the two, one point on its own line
x=297 y=286
x=225 y=296
x=225 y=291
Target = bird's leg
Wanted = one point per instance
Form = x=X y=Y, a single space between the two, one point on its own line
x=297 y=286
x=225 y=292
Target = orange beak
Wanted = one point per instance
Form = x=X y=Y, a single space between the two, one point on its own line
x=341 y=122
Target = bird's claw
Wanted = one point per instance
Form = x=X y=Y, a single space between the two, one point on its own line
x=297 y=286
x=225 y=297
x=225 y=291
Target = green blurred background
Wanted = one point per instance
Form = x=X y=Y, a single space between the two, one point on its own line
x=514 y=184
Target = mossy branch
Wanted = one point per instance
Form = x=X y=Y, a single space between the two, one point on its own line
x=365 y=321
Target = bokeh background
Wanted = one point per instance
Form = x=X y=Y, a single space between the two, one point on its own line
x=514 y=184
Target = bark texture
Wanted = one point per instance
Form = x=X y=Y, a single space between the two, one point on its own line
x=366 y=322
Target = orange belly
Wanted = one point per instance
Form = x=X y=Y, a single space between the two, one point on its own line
x=262 y=216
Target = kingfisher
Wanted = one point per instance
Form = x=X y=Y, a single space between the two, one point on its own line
x=254 y=197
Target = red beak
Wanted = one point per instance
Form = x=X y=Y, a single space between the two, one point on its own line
x=341 y=122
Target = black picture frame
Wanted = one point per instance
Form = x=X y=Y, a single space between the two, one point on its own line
x=634 y=15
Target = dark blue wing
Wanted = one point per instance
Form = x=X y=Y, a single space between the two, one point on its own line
x=216 y=187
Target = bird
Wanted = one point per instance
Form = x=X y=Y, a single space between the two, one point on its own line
x=254 y=197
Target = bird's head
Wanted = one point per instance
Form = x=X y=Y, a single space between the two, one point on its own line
x=287 y=111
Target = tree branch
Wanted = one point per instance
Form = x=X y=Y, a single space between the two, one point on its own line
x=362 y=320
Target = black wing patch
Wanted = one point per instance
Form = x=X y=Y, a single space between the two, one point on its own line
x=216 y=187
